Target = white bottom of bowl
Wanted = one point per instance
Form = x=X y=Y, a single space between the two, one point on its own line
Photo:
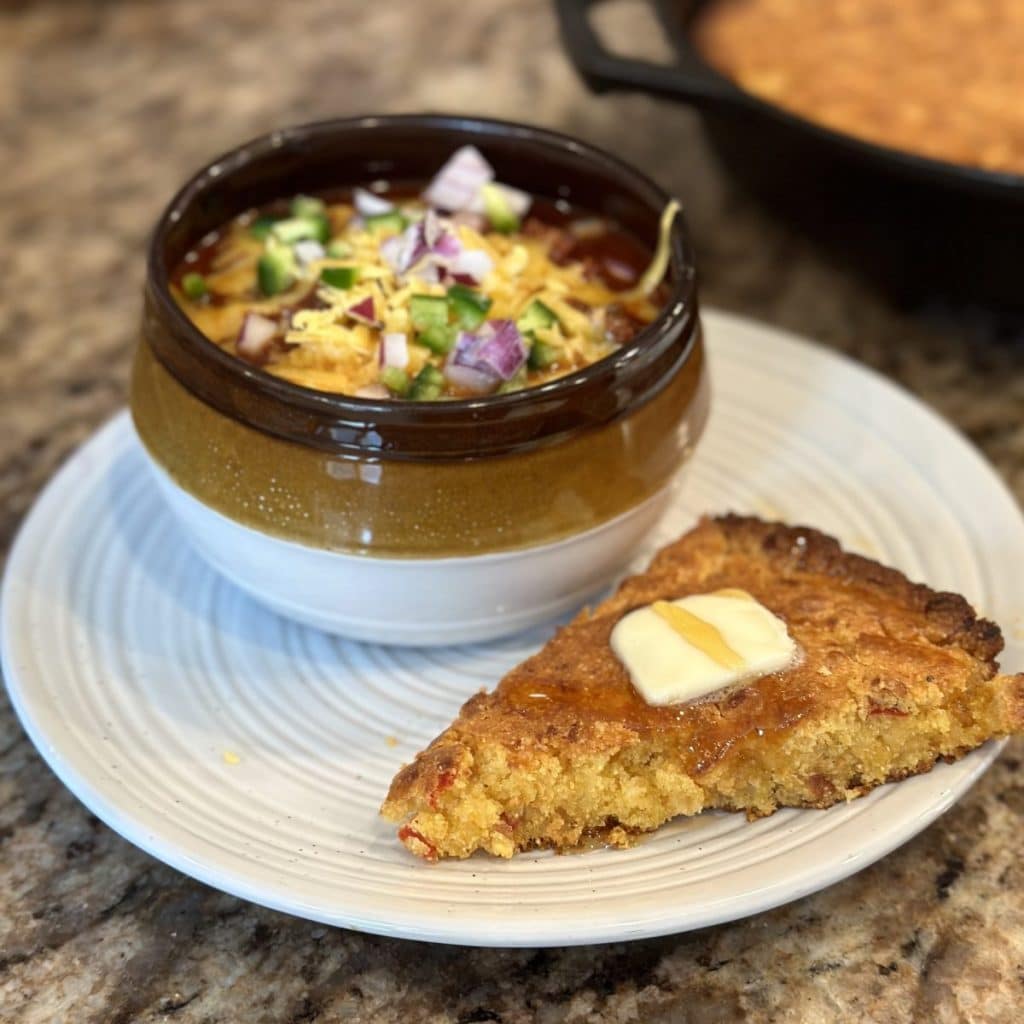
x=414 y=601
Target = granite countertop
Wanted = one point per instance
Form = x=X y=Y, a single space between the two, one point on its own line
x=104 y=109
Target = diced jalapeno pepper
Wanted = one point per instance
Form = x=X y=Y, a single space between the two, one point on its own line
x=338 y=250
x=428 y=385
x=542 y=355
x=439 y=338
x=392 y=223
x=323 y=224
x=339 y=277
x=469 y=307
x=261 y=227
x=298 y=229
x=194 y=286
x=276 y=270
x=501 y=215
x=427 y=311
x=308 y=206
x=395 y=380
x=536 y=316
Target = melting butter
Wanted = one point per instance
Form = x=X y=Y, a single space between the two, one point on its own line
x=676 y=651
x=700 y=633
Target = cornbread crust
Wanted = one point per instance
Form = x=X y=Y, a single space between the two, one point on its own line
x=892 y=677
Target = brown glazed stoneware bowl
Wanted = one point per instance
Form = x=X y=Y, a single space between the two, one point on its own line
x=417 y=522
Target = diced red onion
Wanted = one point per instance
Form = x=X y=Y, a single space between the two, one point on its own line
x=392 y=251
x=447 y=246
x=364 y=311
x=427 y=240
x=394 y=351
x=496 y=348
x=373 y=391
x=405 y=250
x=470 y=380
x=430 y=251
x=458 y=182
x=519 y=202
x=431 y=229
x=256 y=338
x=505 y=350
x=471 y=266
x=368 y=204
x=308 y=251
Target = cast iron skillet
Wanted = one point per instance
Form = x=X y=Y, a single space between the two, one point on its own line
x=921 y=227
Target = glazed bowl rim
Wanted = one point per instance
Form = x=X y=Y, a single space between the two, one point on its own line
x=680 y=303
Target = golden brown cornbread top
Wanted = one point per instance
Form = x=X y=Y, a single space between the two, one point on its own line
x=866 y=634
x=939 y=79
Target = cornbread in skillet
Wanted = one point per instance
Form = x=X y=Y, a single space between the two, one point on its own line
x=892 y=677
x=942 y=80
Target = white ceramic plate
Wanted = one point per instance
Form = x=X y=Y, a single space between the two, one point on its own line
x=252 y=753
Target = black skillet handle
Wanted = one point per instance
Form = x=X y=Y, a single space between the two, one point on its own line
x=688 y=79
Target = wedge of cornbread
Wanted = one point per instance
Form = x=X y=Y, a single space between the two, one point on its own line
x=892 y=676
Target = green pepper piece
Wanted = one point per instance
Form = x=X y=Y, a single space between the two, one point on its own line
x=536 y=316
x=276 y=270
x=392 y=222
x=428 y=311
x=338 y=250
x=299 y=229
x=308 y=206
x=323 y=224
x=542 y=355
x=468 y=306
x=439 y=338
x=395 y=380
x=261 y=227
x=501 y=215
x=194 y=286
x=339 y=277
x=428 y=385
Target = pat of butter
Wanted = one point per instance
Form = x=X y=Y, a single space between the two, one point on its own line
x=677 y=651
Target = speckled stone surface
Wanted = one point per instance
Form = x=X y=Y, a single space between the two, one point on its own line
x=104 y=108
